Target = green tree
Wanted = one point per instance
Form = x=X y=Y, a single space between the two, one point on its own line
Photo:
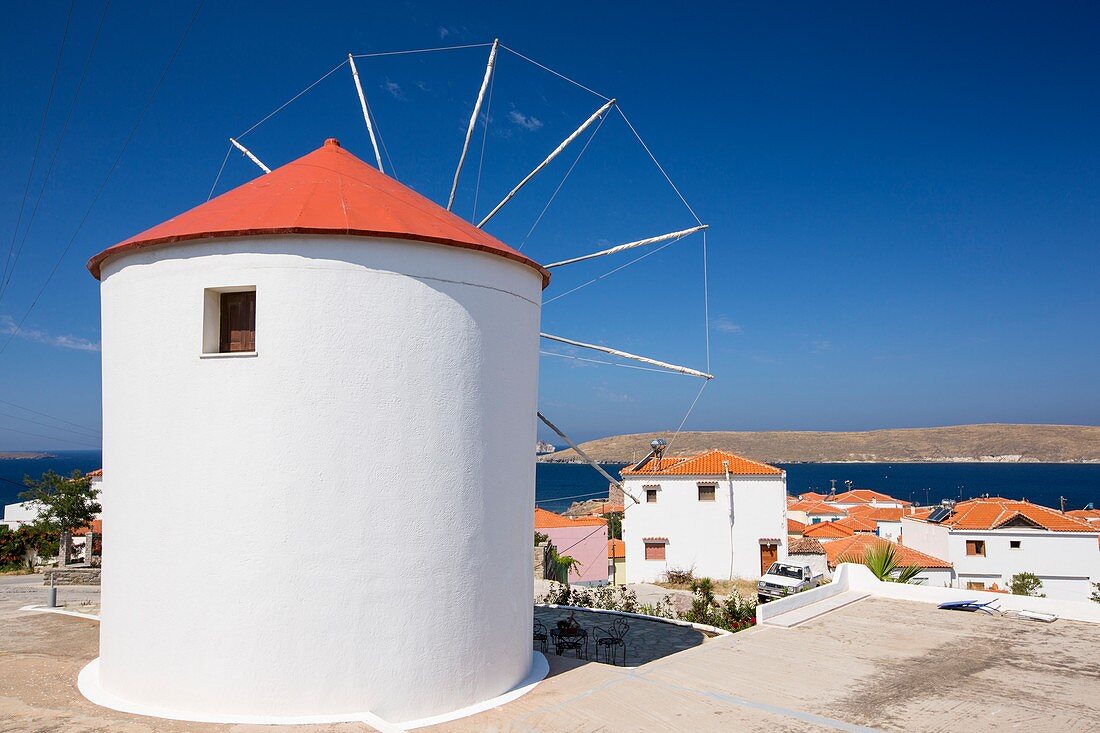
x=63 y=504
x=614 y=525
x=1095 y=597
x=1026 y=584
x=882 y=560
x=564 y=564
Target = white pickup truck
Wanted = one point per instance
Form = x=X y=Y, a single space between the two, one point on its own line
x=783 y=579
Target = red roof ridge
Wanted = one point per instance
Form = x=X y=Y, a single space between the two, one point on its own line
x=328 y=191
x=707 y=463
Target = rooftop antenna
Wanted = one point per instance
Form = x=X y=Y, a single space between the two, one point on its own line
x=658 y=445
x=832 y=487
x=1062 y=501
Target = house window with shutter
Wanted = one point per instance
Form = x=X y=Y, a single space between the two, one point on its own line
x=706 y=492
x=975 y=547
x=238 y=322
x=654 y=550
x=229 y=321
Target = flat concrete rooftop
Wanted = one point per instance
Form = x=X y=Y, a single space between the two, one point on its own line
x=875 y=664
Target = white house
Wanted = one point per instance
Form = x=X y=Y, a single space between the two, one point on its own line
x=990 y=540
x=814 y=511
x=26 y=512
x=715 y=513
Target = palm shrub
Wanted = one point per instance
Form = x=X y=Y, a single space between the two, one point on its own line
x=882 y=561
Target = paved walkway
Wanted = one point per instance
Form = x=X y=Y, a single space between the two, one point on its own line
x=646 y=640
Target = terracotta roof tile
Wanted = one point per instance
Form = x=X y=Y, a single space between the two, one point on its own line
x=804 y=546
x=616 y=549
x=857 y=545
x=827 y=530
x=864 y=496
x=817 y=507
x=877 y=513
x=994 y=513
x=858 y=524
x=794 y=526
x=703 y=464
x=545 y=519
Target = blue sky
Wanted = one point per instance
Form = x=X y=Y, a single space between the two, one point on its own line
x=905 y=228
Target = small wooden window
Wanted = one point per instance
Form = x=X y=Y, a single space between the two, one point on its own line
x=238 y=322
x=651 y=496
x=975 y=547
x=1014 y=544
x=975 y=585
x=655 y=551
x=706 y=492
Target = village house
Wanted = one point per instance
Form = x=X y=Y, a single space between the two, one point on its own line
x=886 y=520
x=814 y=511
x=865 y=497
x=584 y=539
x=616 y=562
x=716 y=513
x=933 y=570
x=808 y=551
x=989 y=540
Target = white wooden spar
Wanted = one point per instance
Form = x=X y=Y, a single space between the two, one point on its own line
x=557 y=151
x=473 y=119
x=366 y=112
x=251 y=157
x=585 y=456
x=630 y=245
x=627 y=355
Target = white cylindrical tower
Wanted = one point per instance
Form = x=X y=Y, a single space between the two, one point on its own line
x=319 y=418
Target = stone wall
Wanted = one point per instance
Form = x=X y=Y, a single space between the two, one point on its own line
x=71 y=576
x=543 y=567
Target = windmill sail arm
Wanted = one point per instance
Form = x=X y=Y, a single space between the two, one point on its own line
x=250 y=156
x=628 y=355
x=473 y=120
x=630 y=245
x=557 y=151
x=576 y=448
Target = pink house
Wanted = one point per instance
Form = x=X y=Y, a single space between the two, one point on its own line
x=584 y=539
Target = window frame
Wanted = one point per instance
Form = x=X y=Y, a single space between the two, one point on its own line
x=212 y=321
x=978 y=547
x=647 y=546
x=712 y=486
x=1015 y=544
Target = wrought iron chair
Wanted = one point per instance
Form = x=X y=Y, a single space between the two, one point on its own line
x=610 y=639
x=575 y=639
x=541 y=635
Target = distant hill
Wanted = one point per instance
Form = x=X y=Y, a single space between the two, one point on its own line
x=993 y=443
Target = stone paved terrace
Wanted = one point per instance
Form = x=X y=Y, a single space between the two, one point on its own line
x=646 y=640
x=876 y=664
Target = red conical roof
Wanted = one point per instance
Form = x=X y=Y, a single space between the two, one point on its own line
x=328 y=191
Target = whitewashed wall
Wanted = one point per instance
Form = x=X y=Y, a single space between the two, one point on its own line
x=699 y=533
x=391 y=403
x=1065 y=562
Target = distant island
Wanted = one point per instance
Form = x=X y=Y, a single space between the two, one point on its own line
x=994 y=443
x=24 y=456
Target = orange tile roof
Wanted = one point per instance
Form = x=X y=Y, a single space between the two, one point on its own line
x=812 y=496
x=794 y=526
x=995 y=512
x=857 y=524
x=877 y=513
x=702 y=464
x=864 y=496
x=827 y=530
x=1091 y=516
x=857 y=545
x=804 y=546
x=545 y=519
x=616 y=549
x=98 y=472
x=817 y=507
x=96 y=526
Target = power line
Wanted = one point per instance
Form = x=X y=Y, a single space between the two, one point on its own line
x=52 y=417
x=106 y=180
x=57 y=147
x=41 y=132
x=51 y=427
x=49 y=437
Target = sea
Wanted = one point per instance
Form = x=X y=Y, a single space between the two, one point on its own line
x=557 y=485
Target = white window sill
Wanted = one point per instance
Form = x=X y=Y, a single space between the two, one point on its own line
x=228 y=355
